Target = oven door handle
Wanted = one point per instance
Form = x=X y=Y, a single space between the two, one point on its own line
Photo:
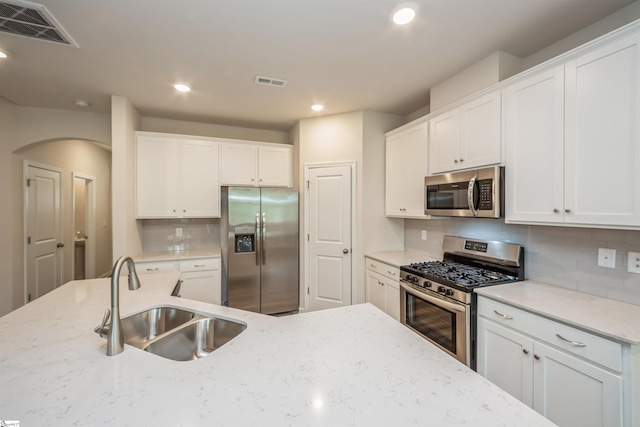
x=434 y=300
x=472 y=184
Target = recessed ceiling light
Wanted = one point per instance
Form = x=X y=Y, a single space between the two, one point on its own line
x=82 y=103
x=404 y=13
x=317 y=107
x=182 y=87
x=2 y=54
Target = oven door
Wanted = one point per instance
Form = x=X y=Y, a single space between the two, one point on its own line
x=444 y=323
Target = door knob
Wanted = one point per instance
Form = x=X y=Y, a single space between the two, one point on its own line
x=345 y=251
x=60 y=245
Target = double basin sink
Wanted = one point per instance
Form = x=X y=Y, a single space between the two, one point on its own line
x=177 y=333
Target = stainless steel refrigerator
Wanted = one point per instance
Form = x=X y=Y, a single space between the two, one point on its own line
x=259 y=243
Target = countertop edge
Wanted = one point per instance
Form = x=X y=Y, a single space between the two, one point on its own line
x=494 y=293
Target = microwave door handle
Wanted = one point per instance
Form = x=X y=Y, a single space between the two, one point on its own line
x=472 y=184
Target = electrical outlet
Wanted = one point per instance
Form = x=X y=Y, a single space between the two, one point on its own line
x=633 y=262
x=424 y=234
x=178 y=232
x=607 y=257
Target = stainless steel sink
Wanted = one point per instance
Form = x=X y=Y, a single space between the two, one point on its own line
x=177 y=333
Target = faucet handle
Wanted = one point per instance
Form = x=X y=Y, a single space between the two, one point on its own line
x=100 y=330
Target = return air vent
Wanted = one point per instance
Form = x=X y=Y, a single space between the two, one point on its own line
x=31 y=20
x=269 y=81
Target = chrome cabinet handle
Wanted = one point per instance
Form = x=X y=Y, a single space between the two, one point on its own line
x=504 y=316
x=391 y=272
x=199 y=265
x=576 y=343
x=153 y=269
x=373 y=266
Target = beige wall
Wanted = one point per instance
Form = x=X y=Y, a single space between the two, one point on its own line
x=73 y=156
x=20 y=127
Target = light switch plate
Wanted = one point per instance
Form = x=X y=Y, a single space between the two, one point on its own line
x=633 y=262
x=424 y=234
x=178 y=232
x=607 y=257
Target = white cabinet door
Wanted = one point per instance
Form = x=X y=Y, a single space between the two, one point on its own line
x=394 y=175
x=238 y=164
x=481 y=132
x=504 y=358
x=534 y=169
x=201 y=286
x=392 y=298
x=275 y=166
x=602 y=139
x=406 y=165
x=200 y=187
x=444 y=142
x=375 y=289
x=468 y=136
x=572 y=392
x=157 y=175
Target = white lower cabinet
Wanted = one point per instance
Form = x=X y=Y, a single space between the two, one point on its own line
x=383 y=287
x=200 y=277
x=570 y=376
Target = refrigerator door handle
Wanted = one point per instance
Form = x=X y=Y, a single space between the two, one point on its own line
x=263 y=247
x=257 y=251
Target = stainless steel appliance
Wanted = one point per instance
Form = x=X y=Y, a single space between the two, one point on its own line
x=437 y=299
x=472 y=193
x=259 y=245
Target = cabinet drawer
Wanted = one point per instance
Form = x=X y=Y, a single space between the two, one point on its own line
x=200 y=264
x=385 y=269
x=592 y=347
x=157 y=266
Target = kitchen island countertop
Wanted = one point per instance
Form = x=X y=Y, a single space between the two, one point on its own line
x=341 y=367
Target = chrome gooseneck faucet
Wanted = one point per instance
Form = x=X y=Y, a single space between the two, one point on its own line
x=115 y=336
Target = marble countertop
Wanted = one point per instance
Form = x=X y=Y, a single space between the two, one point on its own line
x=177 y=256
x=352 y=366
x=400 y=258
x=613 y=319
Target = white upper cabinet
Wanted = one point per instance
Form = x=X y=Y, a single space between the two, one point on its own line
x=573 y=141
x=467 y=136
x=256 y=165
x=406 y=166
x=534 y=133
x=176 y=178
x=602 y=135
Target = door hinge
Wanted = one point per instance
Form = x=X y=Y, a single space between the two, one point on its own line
x=307 y=237
x=308 y=183
x=29 y=240
x=307 y=290
x=28 y=182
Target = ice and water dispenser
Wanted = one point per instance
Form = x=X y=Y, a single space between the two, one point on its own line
x=245 y=239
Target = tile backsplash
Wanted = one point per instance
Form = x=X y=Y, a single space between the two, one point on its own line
x=160 y=235
x=560 y=256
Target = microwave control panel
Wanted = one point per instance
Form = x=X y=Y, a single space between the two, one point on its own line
x=486 y=191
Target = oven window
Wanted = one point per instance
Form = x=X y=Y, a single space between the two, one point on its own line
x=435 y=323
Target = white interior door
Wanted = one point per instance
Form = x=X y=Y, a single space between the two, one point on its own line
x=329 y=251
x=43 y=231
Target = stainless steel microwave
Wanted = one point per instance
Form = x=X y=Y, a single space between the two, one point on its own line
x=471 y=193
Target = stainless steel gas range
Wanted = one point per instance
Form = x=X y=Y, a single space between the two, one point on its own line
x=437 y=299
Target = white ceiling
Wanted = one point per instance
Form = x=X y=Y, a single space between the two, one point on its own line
x=345 y=54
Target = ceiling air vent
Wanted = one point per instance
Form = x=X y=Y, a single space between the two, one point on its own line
x=270 y=81
x=32 y=20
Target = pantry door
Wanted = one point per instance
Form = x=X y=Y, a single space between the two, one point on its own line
x=43 y=230
x=329 y=257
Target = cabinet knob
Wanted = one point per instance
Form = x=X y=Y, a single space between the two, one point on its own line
x=525 y=351
x=535 y=356
x=455 y=160
x=461 y=160
x=556 y=210
x=567 y=210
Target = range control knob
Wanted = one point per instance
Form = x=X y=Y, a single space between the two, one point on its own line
x=449 y=292
x=427 y=284
x=441 y=289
